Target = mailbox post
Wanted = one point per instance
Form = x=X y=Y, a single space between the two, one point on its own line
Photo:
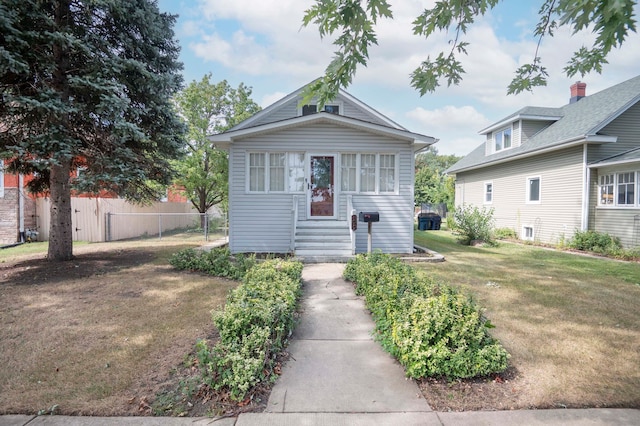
x=369 y=218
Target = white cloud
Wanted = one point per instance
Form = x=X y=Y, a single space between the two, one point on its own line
x=271 y=98
x=449 y=117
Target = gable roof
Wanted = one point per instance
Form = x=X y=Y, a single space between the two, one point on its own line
x=575 y=124
x=296 y=93
x=419 y=141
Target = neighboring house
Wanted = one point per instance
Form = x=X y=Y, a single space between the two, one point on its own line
x=548 y=172
x=25 y=216
x=297 y=175
x=17 y=207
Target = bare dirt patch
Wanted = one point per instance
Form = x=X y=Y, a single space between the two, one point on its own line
x=102 y=334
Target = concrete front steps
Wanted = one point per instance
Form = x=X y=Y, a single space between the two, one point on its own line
x=322 y=239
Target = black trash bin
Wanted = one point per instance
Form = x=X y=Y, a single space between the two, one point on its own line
x=429 y=221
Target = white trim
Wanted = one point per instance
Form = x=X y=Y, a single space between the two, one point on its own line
x=586 y=176
x=528 y=194
x=493 y=139
x=416 y=139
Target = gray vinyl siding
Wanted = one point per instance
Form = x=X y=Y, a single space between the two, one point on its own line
x=624 y=223
x=557 y=215
x=262 y=222
x=626 y=127
x=530 y=128
x=516 y=137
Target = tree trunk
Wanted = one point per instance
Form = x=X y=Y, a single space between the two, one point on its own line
x=60 y=228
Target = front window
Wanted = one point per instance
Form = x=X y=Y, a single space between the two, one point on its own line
x=277 y=162
x=605 y=189
x=257 y=172
x=533 y=190
x=488 y=192
x=348 y=172
x=387 y=173
x=296 y=171
x=502 y=139
x=527 y=233
x=367 y=173
x=626 y=188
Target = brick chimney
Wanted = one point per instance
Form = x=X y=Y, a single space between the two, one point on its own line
x=578 y=91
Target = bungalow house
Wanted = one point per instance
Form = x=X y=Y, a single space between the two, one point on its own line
x=548 y=172
x=298 y=175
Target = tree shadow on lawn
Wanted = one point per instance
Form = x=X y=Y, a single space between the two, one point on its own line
x=41 y=271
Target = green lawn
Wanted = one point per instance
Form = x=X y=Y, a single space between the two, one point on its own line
x=571 y=322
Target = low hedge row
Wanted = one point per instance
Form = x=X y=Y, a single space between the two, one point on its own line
x=217 y=261
x=257 y=320
x=431 y=329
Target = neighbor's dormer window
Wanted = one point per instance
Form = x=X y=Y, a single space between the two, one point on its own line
x=502 y=139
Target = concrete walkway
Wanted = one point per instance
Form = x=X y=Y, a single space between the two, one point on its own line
x=338 y=375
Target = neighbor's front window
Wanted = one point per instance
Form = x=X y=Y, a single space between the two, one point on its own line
x=626 y=188
x=502 y=139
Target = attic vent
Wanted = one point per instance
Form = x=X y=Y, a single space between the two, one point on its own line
x=312 y=109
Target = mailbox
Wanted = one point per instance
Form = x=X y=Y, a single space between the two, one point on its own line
x=369 y=217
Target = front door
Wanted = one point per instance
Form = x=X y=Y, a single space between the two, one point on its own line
x=321 y=194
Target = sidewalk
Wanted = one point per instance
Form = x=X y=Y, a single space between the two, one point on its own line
x=338 y=375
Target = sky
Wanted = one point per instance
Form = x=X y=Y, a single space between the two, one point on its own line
x=262 y=44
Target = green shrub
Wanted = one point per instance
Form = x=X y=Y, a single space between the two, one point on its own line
x=469 y=223
x=505 y=234
x=256 y=322
x=429 y=327
x=218 y=262
x=596 y=242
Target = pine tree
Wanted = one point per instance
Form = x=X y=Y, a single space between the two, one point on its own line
x=88 y=84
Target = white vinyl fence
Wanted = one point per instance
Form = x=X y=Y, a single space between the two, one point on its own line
x=109 y=219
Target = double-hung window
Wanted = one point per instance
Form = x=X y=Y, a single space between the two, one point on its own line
x=533 y=189
x=348 y=169
x=367 y=172
x=387 y=174
x=257 y=172
x=296 y=172
x=277 y=165
x=626 y=188
x=502 y=139
x=488 y=192
x=605 y=189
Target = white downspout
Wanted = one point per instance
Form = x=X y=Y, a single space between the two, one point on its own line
x=586 y=179
x=21 y=207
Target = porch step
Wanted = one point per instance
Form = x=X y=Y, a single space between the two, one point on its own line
x=322 y=239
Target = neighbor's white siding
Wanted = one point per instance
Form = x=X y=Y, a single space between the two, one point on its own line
x=557 y=215
x=262 y=222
